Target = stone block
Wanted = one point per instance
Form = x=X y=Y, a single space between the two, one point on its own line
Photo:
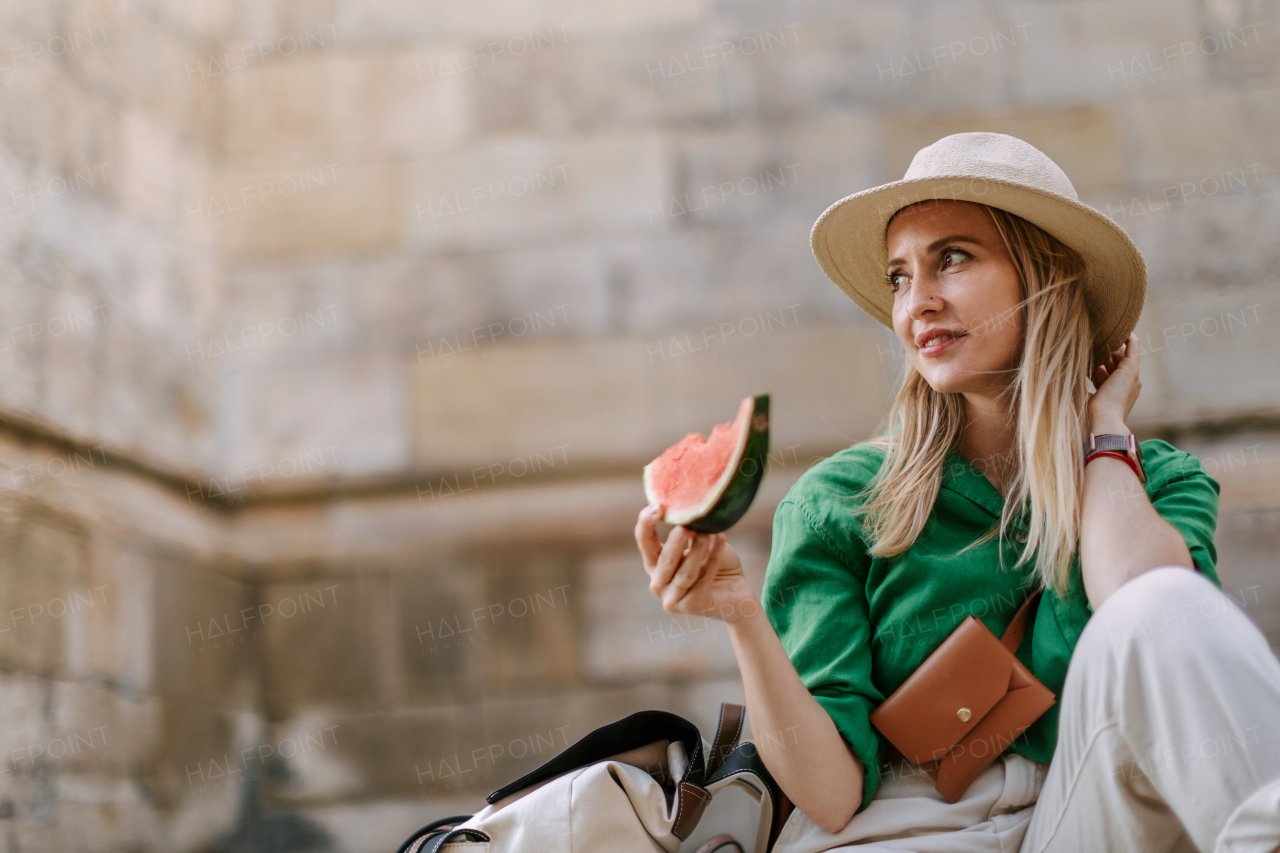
x=386 y=304
x=1087 y=142
x=382 y=19
x=154 y=171
x=205 y=20
x=51 y=141
x=131 y=59
x=116 y=639
x=1091 y=51
x=628 y=636
x=312 y=440
x=635 y=81
x=325 y=207
x=1204 y=231
x=326 y=641
x=208 y=633
x=387 y=753
x=277 y=319
x=535 y=292
x=1207 y=357
x=494 y=622
x=22 y=26
x=480 y=23
x=98 y=730
x=461 y=413
x=95 y=816
x=202 y=772
x=1234 y=41
x=23 y=314
x=43 y=580
x=158 y=414
x=344 y=106
x=767 y=269
x=77 y=146
x=661 y=281
x=24 y=699
x=741 y=175
x=396 y=528
x=91 y=488
x=315 y=754
x=371 y=827
x=1247 y=543
x=887 y=58
x=72 y=342
x=442 y=655
x=1246 y=466
x=523 y=732
x=1179 y=134
x=503 y=17
x=528 y=191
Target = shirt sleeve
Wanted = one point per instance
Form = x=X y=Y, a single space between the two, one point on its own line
x=1188 y=500
x=815 y=598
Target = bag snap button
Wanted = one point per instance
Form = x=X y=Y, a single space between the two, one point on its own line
x=964 y=714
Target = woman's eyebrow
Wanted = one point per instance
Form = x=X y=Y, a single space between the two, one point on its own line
x=938 y=244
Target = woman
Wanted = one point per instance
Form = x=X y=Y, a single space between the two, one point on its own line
x=1006 y=293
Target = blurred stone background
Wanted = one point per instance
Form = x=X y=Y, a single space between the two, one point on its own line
x=335 y=335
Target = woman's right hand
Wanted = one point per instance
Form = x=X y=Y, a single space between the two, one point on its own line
x=694 y=573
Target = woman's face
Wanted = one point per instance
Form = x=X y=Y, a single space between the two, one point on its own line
x=949 y=270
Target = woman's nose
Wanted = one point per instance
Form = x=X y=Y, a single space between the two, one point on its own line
x=922 y=296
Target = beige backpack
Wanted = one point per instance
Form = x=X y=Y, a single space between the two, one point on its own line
x=639 y=785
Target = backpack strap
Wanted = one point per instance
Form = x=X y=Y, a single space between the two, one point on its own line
x=728 y=730
x=636 y=730
x=430 y=837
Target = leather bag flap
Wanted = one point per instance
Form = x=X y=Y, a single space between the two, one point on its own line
x=970 y=670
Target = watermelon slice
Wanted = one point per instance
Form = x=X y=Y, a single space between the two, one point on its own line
x=707 y=484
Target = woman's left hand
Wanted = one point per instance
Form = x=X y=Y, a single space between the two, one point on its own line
x=1118 y=386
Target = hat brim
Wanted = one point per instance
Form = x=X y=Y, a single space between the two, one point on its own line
x=850 y=245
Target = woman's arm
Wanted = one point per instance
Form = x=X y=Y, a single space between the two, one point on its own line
x=700 y=574
x=1121 y=534
x=796 y=737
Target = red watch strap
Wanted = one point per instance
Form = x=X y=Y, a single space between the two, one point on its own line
x=1122 y=457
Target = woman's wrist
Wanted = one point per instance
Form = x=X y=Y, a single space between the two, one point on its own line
x=1106 y=422
x=746 y=617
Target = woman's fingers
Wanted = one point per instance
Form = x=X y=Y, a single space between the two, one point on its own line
x=669 y=559
x=709 y=562
x=712 y=560
x=647 y=535
x=691 y=565
x=690 y=569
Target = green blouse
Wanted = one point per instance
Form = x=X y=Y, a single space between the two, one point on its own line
x=856 y=627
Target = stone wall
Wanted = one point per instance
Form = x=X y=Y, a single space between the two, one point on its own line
x=334 y=330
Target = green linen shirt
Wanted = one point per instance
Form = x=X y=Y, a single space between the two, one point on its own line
x=856 y=627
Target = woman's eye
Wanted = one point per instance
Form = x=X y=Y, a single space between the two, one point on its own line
x=892 y=279
x=949 y=252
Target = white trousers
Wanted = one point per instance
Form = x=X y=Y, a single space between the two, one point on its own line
x=1168 y=742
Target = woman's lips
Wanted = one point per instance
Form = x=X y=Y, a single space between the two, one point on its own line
x=934 y=349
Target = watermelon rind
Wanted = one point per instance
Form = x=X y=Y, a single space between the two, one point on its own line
x=732 y=497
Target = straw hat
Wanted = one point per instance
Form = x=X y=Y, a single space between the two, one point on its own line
x=1004 y=172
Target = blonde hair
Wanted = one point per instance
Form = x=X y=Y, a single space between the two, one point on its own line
x=1047 y=391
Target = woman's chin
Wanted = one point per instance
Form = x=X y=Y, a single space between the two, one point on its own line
x=951 y=381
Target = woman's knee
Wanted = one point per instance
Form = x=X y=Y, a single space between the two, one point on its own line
x=1164 y=601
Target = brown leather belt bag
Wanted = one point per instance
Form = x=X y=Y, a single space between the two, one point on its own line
x=969 y=700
